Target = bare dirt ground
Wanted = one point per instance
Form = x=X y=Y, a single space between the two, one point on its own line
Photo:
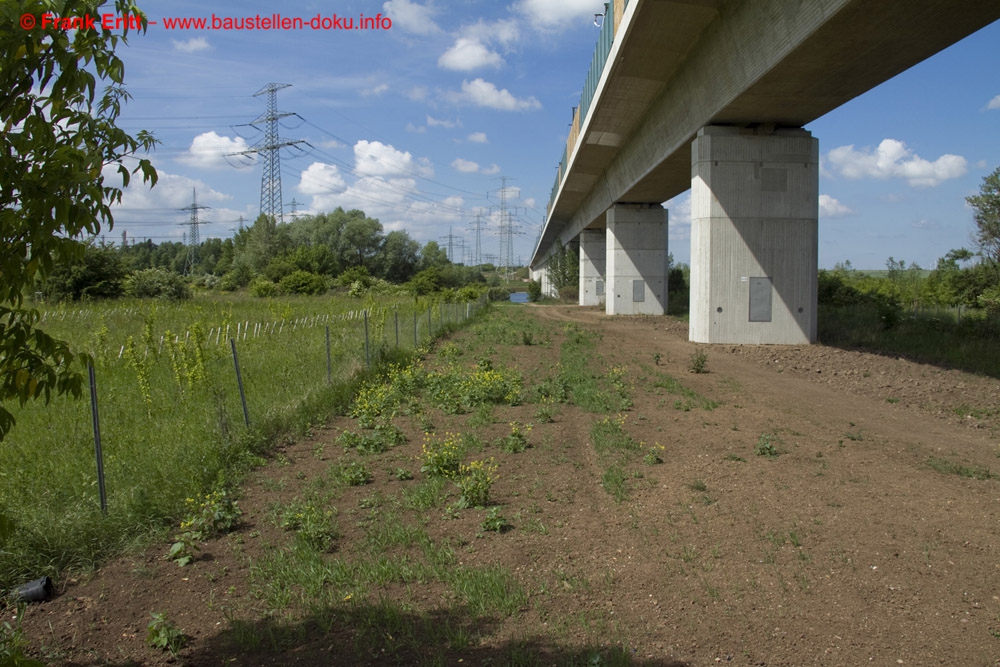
x=871 y=538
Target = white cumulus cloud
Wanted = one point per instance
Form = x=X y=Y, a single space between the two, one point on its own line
x=492 y=170
x=831 y=208
x=375 y=90
x=478 y=138
x=435 y=122
x=485 y=94
x=679 y=217
x=321 y=179
x=193 y=45
x=417 y=93
x=208 y=151
x=892 y=159
x=411 y=17
x=553 y=14
x=465 y=166
x=467 y=54
x=504 y=32
x=373 y=158
x=145 y=207
x=397 y=203
x=994 y=103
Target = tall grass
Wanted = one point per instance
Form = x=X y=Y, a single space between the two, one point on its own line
x=970 y=341
x=172 y=424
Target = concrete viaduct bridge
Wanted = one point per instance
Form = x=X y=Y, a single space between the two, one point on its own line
x=712 y=95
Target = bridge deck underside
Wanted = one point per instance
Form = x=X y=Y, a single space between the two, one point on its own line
x=678 y=66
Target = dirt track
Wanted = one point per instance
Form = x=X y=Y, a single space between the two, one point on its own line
x=847 y=548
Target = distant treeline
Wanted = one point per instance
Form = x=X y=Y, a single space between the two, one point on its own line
x=307 y=256
x=961 y=278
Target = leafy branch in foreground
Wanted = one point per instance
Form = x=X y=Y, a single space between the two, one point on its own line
x=61 y=159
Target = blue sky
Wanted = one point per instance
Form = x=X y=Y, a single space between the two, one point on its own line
x=418 y=124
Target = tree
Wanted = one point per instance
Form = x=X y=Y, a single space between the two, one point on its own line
x=432 y=255
x=397 y=260
x=360 y=240
x=99 y=274
x=58 y=140
x=986 y=213
x=564 y=268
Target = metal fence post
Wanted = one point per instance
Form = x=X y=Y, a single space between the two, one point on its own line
x=239 y=382
x=98 y=453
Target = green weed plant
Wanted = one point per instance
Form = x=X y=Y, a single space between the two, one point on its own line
x=441 y=456
x=475 y=480
x=517 y=440
x=161 y=633
x=314 y=526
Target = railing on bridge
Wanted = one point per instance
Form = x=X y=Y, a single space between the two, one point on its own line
x=613 y=12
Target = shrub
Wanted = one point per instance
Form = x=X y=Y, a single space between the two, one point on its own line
x=499 y=294
x=570 y=293
x=990 y=300
x=262 y=287
x=699 y=362
x=239 y=276
x=534 y=291
x=303 y=282
x=355 y=274
x=157 y=284
x=426 y=282
x=98 y=273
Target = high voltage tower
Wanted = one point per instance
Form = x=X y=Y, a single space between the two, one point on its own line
x=192 y=234
x=269 y=148
x=477 y=258
x=451 y=245
x=506 y=231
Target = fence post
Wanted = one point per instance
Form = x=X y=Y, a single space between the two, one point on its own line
x=239 y=382
x=98 y=453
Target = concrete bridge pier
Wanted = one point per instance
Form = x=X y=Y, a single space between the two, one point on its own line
x=636 y=260
x=593 y=263
x=754 y=236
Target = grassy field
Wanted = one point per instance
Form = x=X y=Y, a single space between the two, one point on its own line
x=171 y=417
x=960 y=340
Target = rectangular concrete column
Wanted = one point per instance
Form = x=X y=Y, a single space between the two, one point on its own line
x=754 y=236
x=636 y=260
x=593 y=254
